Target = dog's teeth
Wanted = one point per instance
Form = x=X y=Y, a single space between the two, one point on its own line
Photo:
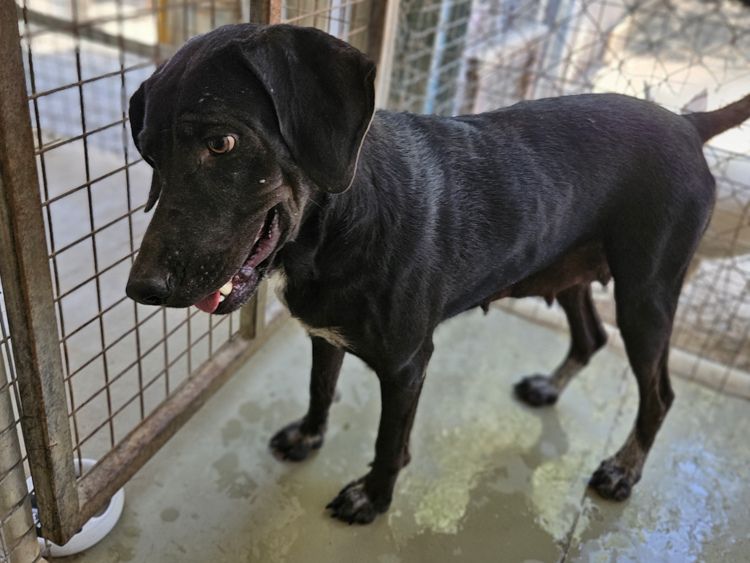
x=221 y=298
x=226 y=289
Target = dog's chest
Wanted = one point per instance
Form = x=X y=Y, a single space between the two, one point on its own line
x=293 y=301
x=331 y=335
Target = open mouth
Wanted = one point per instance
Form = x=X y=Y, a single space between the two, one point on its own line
x=243 y=284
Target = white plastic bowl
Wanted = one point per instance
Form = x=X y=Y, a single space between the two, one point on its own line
x=92 y=531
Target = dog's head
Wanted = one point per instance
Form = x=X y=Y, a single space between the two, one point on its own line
x=241 y=127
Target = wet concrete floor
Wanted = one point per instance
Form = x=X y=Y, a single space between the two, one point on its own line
x=490 y=479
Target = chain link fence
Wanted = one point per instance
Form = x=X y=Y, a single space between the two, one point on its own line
x=467 y=56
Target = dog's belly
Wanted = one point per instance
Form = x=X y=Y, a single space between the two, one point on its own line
x=583 y=264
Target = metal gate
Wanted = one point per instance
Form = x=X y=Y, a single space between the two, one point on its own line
x=92 y=374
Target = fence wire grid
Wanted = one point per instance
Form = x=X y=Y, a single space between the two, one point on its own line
x=468 y=56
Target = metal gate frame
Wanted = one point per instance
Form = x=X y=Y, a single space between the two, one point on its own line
x=66 y=502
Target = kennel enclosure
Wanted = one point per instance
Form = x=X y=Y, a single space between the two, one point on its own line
x=88 y=373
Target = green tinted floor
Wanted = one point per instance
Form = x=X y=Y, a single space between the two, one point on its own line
x=490 y=479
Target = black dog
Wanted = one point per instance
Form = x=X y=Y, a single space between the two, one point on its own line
x=267 y=156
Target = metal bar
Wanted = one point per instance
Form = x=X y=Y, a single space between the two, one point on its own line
x=386 y=53
x=129 y=161
x=66 y=141
x=130 y=454
x=91 y=80
x=252 y=315
x=318 y=12
x=18 y=531
x=92 y=227
x=274 y=11
x=28 y=293
x=87 y=31
x=377 y=18
x=265 y=11
x=164 y=31
x=357 y=30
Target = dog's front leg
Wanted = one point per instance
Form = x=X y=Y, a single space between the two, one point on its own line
x=295 y=441
x=362 y=500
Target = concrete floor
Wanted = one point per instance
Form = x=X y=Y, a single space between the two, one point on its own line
x=490 y=480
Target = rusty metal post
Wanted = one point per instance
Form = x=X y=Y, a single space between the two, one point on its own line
x=378 y=11
x=24 y=268
x=253 y=315
x=385 y=53
x=19 y=543
x=265 y=11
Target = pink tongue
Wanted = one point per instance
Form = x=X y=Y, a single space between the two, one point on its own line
x=210 y=303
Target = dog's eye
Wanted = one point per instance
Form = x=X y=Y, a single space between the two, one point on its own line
x=221 y=145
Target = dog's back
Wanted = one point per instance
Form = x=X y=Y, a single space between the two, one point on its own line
x=506 y=193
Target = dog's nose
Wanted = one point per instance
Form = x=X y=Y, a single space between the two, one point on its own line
x=152 y=290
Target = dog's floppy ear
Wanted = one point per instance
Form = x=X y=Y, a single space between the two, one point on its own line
x=323 y=93
x=136 y=115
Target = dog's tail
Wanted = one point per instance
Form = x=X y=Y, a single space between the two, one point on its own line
x=711 y=123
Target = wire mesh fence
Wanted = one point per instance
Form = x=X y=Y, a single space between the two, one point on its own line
x=120 y=359
x=462 y=56
x=18 y=538
x=346 y=19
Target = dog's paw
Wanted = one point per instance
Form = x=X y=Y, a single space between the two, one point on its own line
x=613 y=480
x=292 y=444
x=536 y=390
x=354 y=506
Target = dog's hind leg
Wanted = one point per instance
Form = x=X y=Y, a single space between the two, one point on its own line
x=295 y=441
x=645 y=321
x=587 y=336
x=648 y=255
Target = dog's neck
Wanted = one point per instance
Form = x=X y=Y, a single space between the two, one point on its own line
x=360 y=221
x=330 y=224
